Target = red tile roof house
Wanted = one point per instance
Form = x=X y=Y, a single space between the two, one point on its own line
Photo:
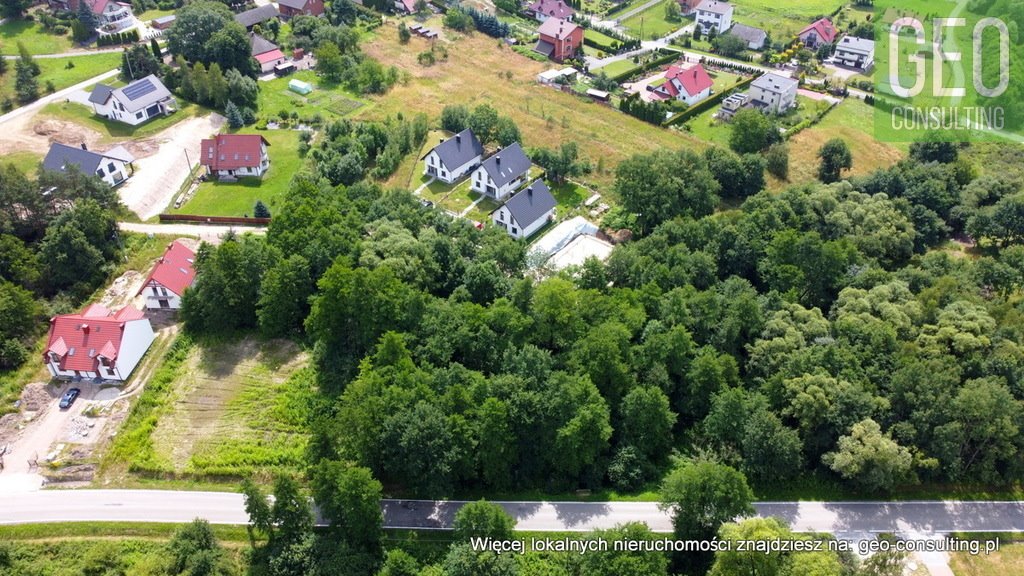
x=97 y=343
x=170 y=277
x=559 y=39
x=289 y=8
x=229 y=156
x=544 y=9
x=818 y=33
x=689 y=85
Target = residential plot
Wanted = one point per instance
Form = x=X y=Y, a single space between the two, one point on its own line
x=215 y=198
x=652 y=23
x=329 y=102
x=62 y=72
x=33 y=36
x=851 y=120
x=477 y=72
x=112 y=130
x=782 y=18
x=236 y=406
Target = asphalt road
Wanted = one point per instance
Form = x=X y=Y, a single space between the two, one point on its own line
x=917 y=517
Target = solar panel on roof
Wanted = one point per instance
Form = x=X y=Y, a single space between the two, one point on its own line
x=140 y=88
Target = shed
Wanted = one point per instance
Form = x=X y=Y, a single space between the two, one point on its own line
x=598 y=94
x=296 y=85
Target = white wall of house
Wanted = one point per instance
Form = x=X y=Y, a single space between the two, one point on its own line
x=447 y=174
x=482 y=183
x=138 y=336
x=776 y=102
x=854 y=59
x=116 y=18
x=713 y=20
x=112 y=171
x=115 y=111
x=267 y=67
x=156 y=293
x=691 y=100
x=503 y=218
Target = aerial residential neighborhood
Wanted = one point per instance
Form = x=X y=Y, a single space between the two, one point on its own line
x=511 y=288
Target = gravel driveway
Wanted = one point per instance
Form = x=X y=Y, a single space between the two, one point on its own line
x=159 y=176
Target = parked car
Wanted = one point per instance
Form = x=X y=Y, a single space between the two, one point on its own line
x=69 y=398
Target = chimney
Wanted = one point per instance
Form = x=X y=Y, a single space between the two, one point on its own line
x=529 y=191
x=85 y=328
x=458 y=138
x=497 y=160
x=84 y=147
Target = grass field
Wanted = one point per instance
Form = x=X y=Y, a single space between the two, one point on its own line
x=55 y=70
x=475 y=72
x=26 y=162
x=782 y=18
x=33 y=36
x=215 y=198
x=851 y=120
x=328 y=101
x=224 y=410
x=115 y=131
x=651 y=23
x=1009 y=559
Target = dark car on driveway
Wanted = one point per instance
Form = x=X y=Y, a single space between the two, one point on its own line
x=69 y=398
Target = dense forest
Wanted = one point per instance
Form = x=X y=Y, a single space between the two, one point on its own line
x=821 y=330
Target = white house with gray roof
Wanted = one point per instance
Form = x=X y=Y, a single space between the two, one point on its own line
x=773 y=93
x=713 y=15
x=500 y=175
x=854 y=52
x=454 y=157
x=135 y=103
x=526 y=211
x=112 y=166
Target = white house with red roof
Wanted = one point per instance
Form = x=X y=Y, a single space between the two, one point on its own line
x=112 y=16
x=818 y=33
x=97 y=343
x=235 y=155
x=167 y=281
x=689 y=85
x=541 y=10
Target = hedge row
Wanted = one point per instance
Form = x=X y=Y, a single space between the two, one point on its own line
x=671 y=56
x=705 y=104
x=118 y=38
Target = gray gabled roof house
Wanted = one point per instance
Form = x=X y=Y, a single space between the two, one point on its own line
x=113 y=166
x=452 y=158
x=527 y=211
x=503 y=172
x=135 y=103
x=257 y=15
x=754 y=37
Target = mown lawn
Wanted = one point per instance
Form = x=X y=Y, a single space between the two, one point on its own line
x=328 y=101
x=852 y=121
x=618 y=67
x=476 y=73
x=112 y=130
x=33 y=36
x=56 y=70
x=651 y=23
x=215 y=198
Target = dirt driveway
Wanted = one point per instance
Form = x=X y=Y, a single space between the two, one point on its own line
x=159 y=175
